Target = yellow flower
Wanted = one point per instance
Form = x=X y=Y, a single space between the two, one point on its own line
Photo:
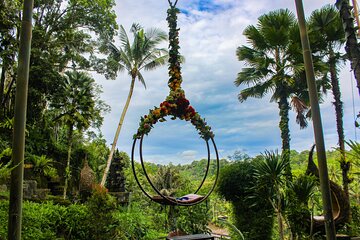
x=156 y=112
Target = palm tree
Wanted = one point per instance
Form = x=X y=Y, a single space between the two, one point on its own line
x=352 y=47
x=269 y=175
x=77 y=107
x=142 y=54
x=42 y=166
x=325 y=24
x=271 y=67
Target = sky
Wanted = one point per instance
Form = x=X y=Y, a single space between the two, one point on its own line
x=210 y=32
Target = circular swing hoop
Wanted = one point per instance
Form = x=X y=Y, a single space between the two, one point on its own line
x=169 y=200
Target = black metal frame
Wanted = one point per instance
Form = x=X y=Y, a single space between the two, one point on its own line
x=170 y=200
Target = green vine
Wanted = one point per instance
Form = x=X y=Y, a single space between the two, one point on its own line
x=176 y=105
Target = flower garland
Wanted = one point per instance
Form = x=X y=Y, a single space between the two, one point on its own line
x=176 y=104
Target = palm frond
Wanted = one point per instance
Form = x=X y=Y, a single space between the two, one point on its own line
x=255 y=38
x=300 y=108
x=249 y=76
x=272 y=168
x=303 y=187
x=275 y=26
x=355 y=147
x=327 y=23
x=156 y=62
x=141 y=79
x=135 y=27
x=256 y=91
x=125 y=43
x=156 y=35
x=156 y=56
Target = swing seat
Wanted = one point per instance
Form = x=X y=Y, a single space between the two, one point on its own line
x=188 y=198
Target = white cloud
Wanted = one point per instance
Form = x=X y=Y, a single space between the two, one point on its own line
x=208 y=41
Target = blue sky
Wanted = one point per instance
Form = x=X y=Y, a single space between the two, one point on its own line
x=211 y=30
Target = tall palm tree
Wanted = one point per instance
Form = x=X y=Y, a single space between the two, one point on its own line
x=326 y=25
x=352 y=47
x=271 y=67
x=77 y=108
x=142 y=54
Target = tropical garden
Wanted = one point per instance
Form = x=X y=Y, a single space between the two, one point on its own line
x=77 y=187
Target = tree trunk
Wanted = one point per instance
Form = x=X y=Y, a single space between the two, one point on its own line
x=285 y=133
x=2 y=88
x=6 y=98
x=67 y=169
x=352 y=48
x=345 y=165
x=113 y=146
x=18 y=143
x=281 y=227
x=279 y=214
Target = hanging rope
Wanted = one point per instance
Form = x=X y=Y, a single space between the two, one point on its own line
x=171 y=4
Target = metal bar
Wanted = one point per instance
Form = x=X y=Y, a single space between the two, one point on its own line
x=207 y=168
x=166 y=198
x=318 y=131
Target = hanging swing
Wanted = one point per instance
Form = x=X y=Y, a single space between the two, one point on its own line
x=176 y=106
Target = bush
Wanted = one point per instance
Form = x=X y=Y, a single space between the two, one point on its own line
x=194 y=219
x=133 y=223
x=253 y=217
x=39 y=221
x=298 y=213
x=47 y=221
x=100 y=222
x=4 y=209
x=73 y=224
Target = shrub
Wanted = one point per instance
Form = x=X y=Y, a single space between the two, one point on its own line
x=298 y=194
x=4 y=209
x=101 y=207
x=134 y=223
x=194 y=219
x=40 y=221
x=253 y=217
x=73 y=225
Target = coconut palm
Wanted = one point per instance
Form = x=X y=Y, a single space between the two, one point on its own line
x=271 y=66
x=142 y=54
x=325 y=24
x=77 y=107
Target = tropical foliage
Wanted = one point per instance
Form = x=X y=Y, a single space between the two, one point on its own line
x=326 y=27
x=142 y=54
x=271 y=69
x=262 y=197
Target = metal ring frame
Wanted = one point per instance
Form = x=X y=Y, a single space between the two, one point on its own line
x=166 y=198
